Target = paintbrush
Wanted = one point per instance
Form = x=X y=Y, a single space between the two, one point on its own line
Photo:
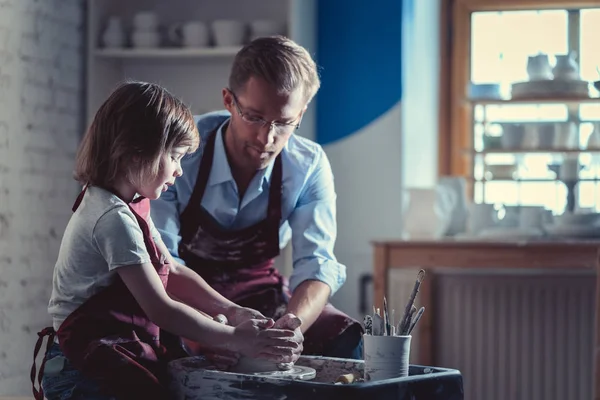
x=417 y=318
x=411 y=300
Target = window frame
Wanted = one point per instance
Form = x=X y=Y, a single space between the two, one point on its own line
x=455 y=115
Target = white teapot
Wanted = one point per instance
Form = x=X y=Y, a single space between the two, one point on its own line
x=538 y=67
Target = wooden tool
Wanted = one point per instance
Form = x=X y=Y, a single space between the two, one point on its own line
x=416 y=319
x=411 y=300
x=386 y=319
x=378 y=326
x=406 y=327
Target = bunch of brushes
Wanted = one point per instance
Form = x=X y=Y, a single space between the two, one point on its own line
x=385 y=325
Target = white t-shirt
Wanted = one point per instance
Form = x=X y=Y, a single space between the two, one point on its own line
x=101 y=236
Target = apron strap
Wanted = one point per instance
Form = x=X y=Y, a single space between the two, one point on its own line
x=189 y=217
x=276 y=193
x=39 y=394
x=79 y=198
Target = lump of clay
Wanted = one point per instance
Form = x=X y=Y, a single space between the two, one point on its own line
x=247 y=365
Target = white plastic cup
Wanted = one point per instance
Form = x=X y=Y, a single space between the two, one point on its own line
x=386 y=357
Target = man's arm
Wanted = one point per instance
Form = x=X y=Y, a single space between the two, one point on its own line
x=308 y=301
x=317 y=274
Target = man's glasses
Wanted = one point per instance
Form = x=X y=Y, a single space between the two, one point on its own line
x=279 y=127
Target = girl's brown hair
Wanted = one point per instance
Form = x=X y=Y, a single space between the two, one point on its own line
x=133 y=128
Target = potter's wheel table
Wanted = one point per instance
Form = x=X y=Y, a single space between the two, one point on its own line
x=191 y=380
x=296 y=372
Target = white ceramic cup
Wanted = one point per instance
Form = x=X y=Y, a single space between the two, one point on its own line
x=145 y=21
x=565 y=135
x=386 y=357
x=228 y=32
x=481 y=216
x=569 y=169
x=512 y=135
x=194 y=34
x=593 y=141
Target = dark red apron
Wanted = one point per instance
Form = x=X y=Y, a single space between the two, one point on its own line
x=110 y=339
x=240 y=264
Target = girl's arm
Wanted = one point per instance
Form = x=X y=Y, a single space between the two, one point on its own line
x=250 y=338
x=190 y=288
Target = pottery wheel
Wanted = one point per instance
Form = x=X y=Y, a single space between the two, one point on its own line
x=297 y=372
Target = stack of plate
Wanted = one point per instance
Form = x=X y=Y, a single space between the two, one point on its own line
x=585 y=225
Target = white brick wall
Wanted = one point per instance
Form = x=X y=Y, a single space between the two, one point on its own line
x=41 y=115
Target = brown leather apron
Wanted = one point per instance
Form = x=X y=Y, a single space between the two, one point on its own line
x=110 y=339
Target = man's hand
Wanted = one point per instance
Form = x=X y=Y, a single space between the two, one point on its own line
x=260 y=339
x=293 y=323
x=237 y=315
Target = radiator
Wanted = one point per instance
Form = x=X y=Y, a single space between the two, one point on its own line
x=523 y=336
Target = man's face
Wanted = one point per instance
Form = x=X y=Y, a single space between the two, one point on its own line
x=262 y=122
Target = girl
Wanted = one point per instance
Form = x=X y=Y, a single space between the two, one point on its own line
x=118 y=301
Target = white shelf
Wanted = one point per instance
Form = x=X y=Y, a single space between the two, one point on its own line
x=168 y=52
x=537 y=100
x=195 y=75
x=532 y=151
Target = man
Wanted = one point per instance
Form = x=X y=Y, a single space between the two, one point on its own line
x=250 y=183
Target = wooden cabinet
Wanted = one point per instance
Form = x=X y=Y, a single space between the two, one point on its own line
x=494 y=308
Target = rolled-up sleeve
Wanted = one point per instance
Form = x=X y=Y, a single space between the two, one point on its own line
x=314 y=230
x=165 y=215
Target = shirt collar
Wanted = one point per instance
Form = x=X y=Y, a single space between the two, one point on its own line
x=221 y=171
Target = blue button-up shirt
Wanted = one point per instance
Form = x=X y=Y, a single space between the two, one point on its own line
x=308 y=203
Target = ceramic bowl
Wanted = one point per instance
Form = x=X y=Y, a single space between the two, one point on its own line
x=484 y=91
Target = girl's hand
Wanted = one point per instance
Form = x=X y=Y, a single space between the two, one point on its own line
x=254 y=339
x=237 y=315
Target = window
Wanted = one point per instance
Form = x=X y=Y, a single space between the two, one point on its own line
x=492 y=45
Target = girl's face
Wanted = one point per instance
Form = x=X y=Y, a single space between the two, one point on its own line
x=170 y=168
